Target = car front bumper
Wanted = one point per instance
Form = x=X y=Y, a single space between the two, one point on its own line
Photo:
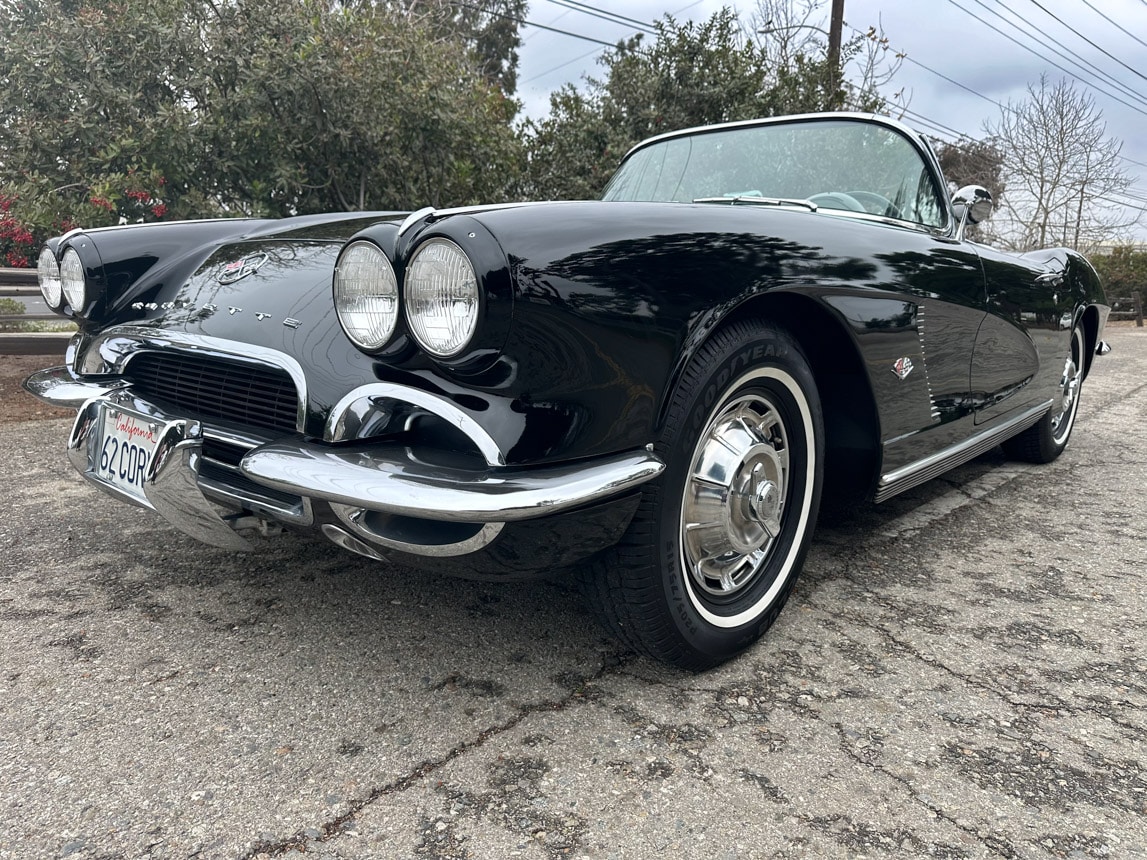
x=381 y=493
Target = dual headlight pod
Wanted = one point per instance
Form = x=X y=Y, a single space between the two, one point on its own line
x=62 y=282
x=441 y=297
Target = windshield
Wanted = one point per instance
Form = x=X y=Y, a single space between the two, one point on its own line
x=840 y=165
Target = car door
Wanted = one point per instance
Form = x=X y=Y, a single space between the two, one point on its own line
x=1022 y=333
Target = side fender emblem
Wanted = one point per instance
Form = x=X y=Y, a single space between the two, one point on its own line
x=903 y=367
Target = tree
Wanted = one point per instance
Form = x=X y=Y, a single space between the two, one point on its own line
x=973 y=162
x=790 y=32
x=147 y=109
x=491 y=29
x=691 y=74
x=1124 y=271
x=1061 y=172
x=329 y=107
x=94 y=113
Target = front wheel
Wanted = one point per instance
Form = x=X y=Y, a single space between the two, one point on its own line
x=1046 y=439
x=719 y=538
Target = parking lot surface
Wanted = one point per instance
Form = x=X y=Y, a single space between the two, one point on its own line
x=961 y=672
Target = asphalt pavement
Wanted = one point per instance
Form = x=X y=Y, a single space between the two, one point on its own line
x=961 y=672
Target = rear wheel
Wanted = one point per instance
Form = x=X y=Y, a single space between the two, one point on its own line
x=1046 y=439
x=719 y=538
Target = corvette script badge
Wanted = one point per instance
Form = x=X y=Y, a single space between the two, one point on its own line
x=902 y=367
x=241 y=268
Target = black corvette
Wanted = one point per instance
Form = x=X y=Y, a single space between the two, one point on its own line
x=654 y=390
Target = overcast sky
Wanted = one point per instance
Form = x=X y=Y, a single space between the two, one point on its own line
x=941 y=39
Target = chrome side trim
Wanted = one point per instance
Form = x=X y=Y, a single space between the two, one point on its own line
x=914 y=474
x=355 y=404
x=58 y=386
x=110 y=351
x=920 y=317
x=388 y=478
x=354 y=518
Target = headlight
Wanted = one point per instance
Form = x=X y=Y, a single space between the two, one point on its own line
x=49 y=272
x=366 y=295
x=72 y=279
x=442 y=300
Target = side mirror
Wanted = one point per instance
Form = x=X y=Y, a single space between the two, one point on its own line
x=971 y=205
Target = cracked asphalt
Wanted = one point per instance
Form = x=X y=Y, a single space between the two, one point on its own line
x=961 y=672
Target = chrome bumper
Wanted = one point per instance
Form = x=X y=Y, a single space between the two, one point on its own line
x=384 y=477
x=388 y=478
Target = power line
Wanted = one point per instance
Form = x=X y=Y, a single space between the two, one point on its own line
x=518 y=20
x=561 y=65
x=604 y=14
x=1102 y=50
x=1114 y=24
x=968 y=89
x=1039 y=55
x=1085 y=66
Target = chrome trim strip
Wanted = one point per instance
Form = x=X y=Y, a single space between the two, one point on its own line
x=352 y=518
x=388 y=478
x=336 y=427
x=914 y=474
x=110 y=351
x=58 y=386
x=414 y=217
x=299 y=515
x=432 y=214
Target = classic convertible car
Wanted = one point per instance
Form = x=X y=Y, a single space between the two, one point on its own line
x=652 y=390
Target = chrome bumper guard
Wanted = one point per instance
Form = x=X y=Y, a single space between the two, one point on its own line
x=171 y=479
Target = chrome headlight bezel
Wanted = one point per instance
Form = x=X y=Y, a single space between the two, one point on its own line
x=440 y=281
x=48 y=275
x=364 y=275
x=73 y=280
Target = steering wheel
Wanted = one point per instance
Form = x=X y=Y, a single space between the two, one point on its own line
x=877 y=204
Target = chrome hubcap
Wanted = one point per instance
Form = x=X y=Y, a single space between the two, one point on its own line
x=734 y=499
x=1069 y=389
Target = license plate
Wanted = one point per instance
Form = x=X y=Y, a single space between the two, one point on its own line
x=126 y=448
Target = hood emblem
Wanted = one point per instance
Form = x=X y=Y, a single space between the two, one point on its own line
x=241 y=268
x=902 y=367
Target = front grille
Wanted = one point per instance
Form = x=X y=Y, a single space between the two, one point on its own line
x=251 y=395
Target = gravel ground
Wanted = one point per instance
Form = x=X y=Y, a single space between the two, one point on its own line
x=961 y=672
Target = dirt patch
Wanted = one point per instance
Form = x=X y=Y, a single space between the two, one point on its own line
x=16 y=404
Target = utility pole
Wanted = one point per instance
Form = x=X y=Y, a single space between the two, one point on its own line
x=836 y=24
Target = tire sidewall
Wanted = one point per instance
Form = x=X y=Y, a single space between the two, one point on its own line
x=767 y=362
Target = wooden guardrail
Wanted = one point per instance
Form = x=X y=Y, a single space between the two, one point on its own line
x=1127 y=307
x=23 y=284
